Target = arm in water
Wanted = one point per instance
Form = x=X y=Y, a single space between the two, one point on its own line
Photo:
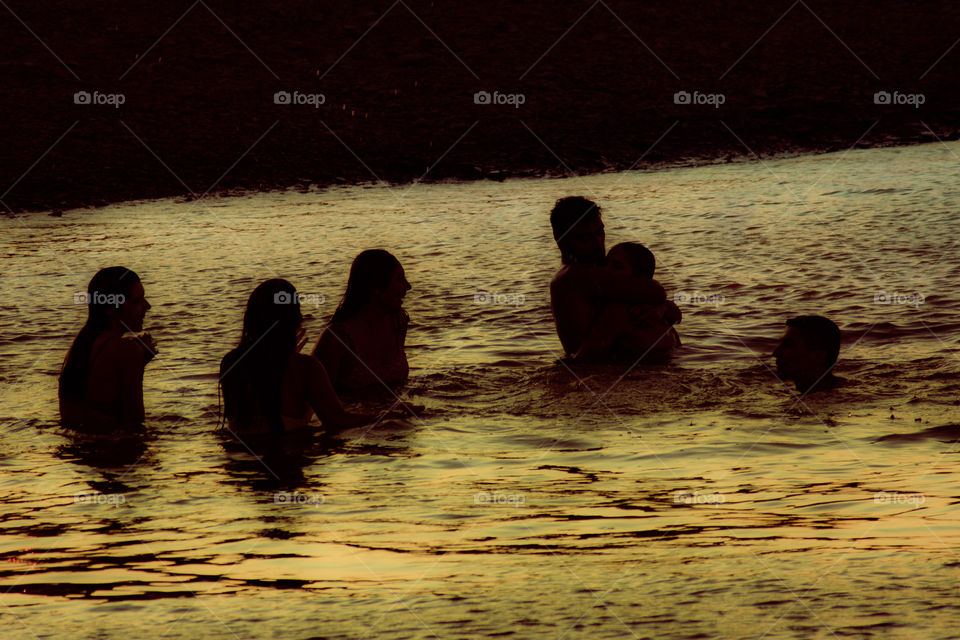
x=326 y=403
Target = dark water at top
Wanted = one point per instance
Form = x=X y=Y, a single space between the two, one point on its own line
x=699 y=499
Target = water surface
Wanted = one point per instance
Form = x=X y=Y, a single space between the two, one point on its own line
x=693 y=500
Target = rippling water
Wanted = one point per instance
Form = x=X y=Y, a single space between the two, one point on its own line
x=694 y=500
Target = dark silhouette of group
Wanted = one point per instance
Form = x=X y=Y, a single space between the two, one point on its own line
x=607 y=308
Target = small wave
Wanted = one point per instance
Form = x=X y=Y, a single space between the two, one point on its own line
x=944 y=433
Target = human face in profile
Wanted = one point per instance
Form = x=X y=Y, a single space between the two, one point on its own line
x=130 y=315
x=392 y=297
x=587 y=241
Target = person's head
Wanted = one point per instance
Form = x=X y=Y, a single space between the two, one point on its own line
x=578 y=230
x=632 y=258
x=115 y=301
x=377 y=279
x=808 y=350
x=272 y=316
x=251 y=376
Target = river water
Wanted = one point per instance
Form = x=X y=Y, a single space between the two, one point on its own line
x=697 y=499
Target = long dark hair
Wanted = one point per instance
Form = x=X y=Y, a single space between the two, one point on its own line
x=108 y=289
x=372 y=269
x=251 y=375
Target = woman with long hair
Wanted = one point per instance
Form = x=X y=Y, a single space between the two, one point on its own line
x=101 y=383
x=267 y=384
x=363 y=347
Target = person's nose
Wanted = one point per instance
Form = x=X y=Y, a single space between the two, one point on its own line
x=149 y=306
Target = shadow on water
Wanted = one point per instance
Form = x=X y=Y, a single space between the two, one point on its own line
x=267 y=463
x=116 y=457
x=949 y=433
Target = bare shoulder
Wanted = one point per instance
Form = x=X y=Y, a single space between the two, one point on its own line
x=577 y=278
x=124 y=351
x=563 y=277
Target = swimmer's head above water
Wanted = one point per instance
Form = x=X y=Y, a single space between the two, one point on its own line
x=376 y=277
x=116 y=301
x=808 y=352
x=252 y=374
x=272 y=315
x=632 y=258
x=578 y=230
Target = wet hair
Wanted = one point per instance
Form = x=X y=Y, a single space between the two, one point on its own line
x=108 y=290
x=251 y=375
x=819 y=333
x=641 y=260
x=566 y=214
x=371 y=270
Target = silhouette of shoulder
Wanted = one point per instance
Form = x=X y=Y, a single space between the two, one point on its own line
x=123 y=352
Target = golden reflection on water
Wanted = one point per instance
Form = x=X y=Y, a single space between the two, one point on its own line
x=699 y=499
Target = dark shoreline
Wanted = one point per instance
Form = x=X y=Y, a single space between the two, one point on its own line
x=598 y=84
x=241 y=190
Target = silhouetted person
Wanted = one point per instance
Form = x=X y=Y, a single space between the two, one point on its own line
x=808 y=352
x=101 y=383
x=363 y=347
x=625 y=332
x=268 y=385
x=583 y=286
